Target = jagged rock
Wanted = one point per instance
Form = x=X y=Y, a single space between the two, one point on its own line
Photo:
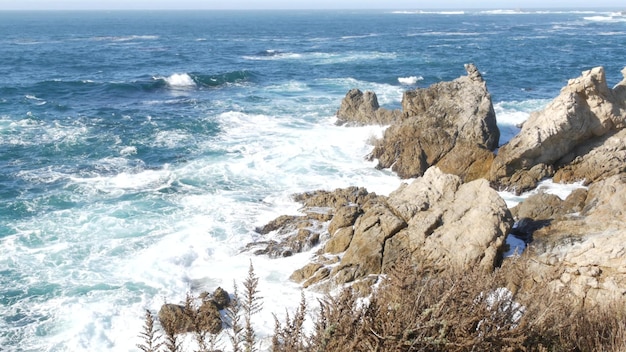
x=334 y=199
x=456 y=225
x=364 y=255
x=339 y=241
x=584 y=254
x=297 y=233
x=206 y=317
x=541 y=206
x=174 y=316
x=437 y=220
x=449 y=124
x=344 y=216
x=596 y=161
x=305 y=272
x=209 y=317
x=358 y=108
x=585 y=110
x=221 y=298
x=540 y=210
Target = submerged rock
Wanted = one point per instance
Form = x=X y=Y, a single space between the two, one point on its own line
x=449 y=124
x=585 y=112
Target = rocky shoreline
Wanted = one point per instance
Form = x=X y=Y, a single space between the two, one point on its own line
x=450 y=217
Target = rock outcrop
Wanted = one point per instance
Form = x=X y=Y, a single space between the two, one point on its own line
x=585 y=113
x=450 y=124
x=595 y=161
x=205 y=317
x=584 y=252
x=358 y=108
x=436 y=221
x=291 y=234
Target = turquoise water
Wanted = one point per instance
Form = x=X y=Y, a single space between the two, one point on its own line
x=139 y=150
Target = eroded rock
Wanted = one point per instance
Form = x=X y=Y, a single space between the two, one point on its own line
x=585 y=253
x=358 y=108
x=437 y=220
x=449 y=124
x=204 y=316
x=586 y=110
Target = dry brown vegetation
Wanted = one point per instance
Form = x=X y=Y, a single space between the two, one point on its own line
x=414 y=310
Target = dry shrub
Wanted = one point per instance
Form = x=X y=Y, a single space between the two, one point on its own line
x=414 y=310
x=419 y=310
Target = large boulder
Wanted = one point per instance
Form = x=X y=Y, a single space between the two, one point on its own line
x=585 y=111
x=437 y=221
x=205 y=316
x=583 y=253
x=450 y=124
x=358 y=108
x=451 y=225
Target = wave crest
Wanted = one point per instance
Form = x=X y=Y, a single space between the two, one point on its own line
x=410 y=81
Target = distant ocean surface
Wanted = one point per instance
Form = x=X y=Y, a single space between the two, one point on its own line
x=139 y=150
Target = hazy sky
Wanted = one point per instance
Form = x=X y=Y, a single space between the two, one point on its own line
x=298 y=4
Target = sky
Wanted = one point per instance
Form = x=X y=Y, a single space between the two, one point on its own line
x=299 y=4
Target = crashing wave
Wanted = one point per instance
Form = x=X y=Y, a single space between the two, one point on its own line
x=410 y=81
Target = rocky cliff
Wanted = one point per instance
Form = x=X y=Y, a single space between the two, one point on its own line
x=581 y=119
x=450 y=218
x=450 y=124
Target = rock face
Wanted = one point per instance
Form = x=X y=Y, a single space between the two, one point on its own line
x=584 y=252
x=359 y=108
x=450 y=124
x=436 y=221
x=585 y=112
x=595 y=161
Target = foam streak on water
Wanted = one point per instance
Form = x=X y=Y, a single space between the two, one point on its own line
x=139 y=151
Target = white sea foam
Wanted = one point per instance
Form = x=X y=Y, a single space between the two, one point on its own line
x=129 y=150
x=37 y=101
x=126 y=38
x=512 y=114
x=179 y=81
x=562 y=190
x=409 y=81
x=170 y=139
x=613 y=17
x=505 y=12
x=141 y=253
x=326 y=58
x=445 y=34
x=419 y=12
x=360 y=36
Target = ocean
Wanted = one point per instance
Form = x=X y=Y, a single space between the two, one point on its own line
x=139 y=150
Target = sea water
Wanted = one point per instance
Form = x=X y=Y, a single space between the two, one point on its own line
x=140 y=150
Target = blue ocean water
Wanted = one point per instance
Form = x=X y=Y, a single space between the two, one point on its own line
x=139 y=150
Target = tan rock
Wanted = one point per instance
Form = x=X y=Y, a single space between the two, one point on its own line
x=437 y=220
x=364 y=256
x=585 y=110
x=358 y=108
x=585 y=254
x=452 y=123
x=596 y=161
x=339 y=241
